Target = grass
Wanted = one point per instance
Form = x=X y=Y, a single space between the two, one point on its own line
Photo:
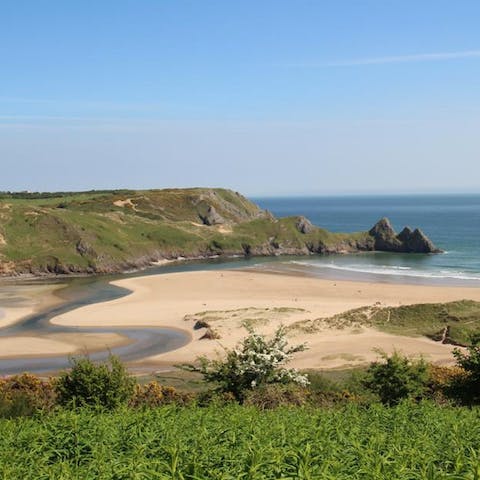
x=249 y=317
x=376 y=443
x=182 y=380
x=111 y=231
x=428 y=319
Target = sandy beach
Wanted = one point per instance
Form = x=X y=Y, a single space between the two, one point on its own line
x=229 y=300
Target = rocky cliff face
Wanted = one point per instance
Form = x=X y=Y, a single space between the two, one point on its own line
x=407 y=241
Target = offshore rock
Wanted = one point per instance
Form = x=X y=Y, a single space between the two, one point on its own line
x=407 y=241
x=420 y=243
x=386 y=239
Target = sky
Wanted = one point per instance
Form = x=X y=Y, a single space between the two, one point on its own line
x=269 y=97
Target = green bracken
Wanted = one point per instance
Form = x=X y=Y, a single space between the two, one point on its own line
x=235 y=442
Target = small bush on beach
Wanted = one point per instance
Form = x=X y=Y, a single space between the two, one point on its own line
x=105 y=385
x=397 y=378
x=256 y=362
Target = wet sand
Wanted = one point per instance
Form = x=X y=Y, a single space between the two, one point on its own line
x=19 y=300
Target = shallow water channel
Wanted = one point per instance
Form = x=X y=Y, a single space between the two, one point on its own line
x=78 y=292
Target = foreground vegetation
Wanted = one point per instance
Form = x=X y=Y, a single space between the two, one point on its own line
x=110 y=231
x=254 y=373
x=234 y=442
x=399 y=419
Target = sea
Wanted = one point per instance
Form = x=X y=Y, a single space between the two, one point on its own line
x=451 y=221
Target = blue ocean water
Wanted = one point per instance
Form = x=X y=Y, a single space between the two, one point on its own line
x=451 y=221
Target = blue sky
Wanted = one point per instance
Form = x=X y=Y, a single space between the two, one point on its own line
x=266 y=97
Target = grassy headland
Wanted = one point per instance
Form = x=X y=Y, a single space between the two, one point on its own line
x=111 y=231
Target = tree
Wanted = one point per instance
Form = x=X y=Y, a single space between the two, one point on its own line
x=257 y=361
x=397 y=378
x=95 y=384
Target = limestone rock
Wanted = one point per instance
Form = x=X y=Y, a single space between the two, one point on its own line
x=407 y=241
x=304 y=225
x=405 y=234
x=84 y=249
x=385 y=237
x=212 y=217
x=420 y=243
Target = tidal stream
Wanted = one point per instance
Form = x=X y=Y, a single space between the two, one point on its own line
x=143 y=341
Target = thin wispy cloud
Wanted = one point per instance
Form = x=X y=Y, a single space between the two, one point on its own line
x=420 y=57
x=84 y=104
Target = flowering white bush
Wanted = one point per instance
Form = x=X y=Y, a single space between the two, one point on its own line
x=257 y=361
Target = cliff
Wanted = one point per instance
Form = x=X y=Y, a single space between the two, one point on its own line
x=114 y=231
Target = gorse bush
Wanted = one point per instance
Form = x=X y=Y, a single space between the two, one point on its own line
x=257 y=361
x=24 y=395
x=397 y=378
x=105 y=385
x=446 y=383
x=153 y=394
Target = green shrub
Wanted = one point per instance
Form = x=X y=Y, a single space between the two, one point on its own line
x=397 y=378
x=215 y=398
x=467 y=387
x=105 y=385
x=277 y=395
x=257 y=361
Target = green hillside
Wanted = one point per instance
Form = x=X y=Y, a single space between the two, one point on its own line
x=110 y=231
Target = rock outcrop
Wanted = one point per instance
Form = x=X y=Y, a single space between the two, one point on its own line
x=407 y=241
x=212 y=217
x=304 y=225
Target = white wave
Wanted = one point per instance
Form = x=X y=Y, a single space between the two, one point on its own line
x=392 y=270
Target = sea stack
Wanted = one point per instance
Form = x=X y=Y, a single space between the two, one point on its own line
x=407 y=241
